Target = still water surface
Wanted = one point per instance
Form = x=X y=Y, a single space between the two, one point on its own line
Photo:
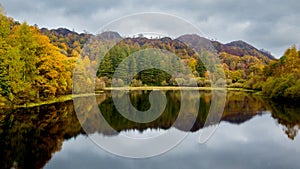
x=253 y=133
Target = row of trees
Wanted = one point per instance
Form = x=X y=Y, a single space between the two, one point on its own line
x=31 y=68
x=281 y=78
x=130 y=56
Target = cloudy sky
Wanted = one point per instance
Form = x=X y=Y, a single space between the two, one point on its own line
x=270 y=24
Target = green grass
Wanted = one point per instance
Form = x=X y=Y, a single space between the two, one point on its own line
x=56 y=100
x=50 y=101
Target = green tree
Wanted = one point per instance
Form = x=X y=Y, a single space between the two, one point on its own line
x=200 y=67
x=4 y=46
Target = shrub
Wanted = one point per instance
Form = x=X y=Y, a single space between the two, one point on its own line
x=117 y=82
x=241 y=81
x=207 y=83
x=172 y=82
x=99 y=84
x=221 y=82
x=164 y=83
x=236 y=85
x=255 y=83
x=200 y=81
x=136 y=83
x=258 y=85
x=293 y=92
x=228 y=81
x=191 y=82
x=249 y=84
x=268 y=86
x=276 y=87
x=106 y=80
x=279 y=88
x=180 y=81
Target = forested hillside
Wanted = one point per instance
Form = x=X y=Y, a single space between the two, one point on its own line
x=68 y=41
x=37 y=64
x=238 y=68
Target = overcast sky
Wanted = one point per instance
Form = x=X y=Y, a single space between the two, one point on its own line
x=271 y=24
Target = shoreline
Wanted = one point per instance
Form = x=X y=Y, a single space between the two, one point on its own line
x=71 y=96
x=58 y=99
x=177 y=88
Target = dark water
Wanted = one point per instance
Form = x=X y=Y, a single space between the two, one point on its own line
x=253 y=133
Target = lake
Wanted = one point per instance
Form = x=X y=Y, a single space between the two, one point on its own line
x=253 y=132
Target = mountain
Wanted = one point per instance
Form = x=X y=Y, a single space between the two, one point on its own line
x=110 y=35
x=68 y=41
x=241 y=48
x=239 y=59
x=197 y=42
x=74 y=40
x=236 y=48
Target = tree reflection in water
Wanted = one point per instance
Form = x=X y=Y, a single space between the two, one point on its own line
x=29 y=137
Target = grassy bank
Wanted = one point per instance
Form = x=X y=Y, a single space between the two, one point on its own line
x=58 y=99
x=50 y=101
x=64 y=98
x=176 y=88
x=71 y=96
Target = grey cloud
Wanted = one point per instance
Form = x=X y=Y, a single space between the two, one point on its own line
x=272 y=25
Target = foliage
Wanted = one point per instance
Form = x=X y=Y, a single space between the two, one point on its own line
x=255 y=82
x=69 y=42
x=120 y=53
x=31 y=68
x=238 y=68
x=99 y=84
x=136 y=83
x=236 y=85
x=280 y=79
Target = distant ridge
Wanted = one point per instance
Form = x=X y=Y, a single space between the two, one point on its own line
x=197 y=42
x=237 y=48
x=240 y=48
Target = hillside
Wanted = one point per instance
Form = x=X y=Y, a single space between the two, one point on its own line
x=237 y=48
x=245 y=66
x=69 y=42
x=240 y=60
x=37 y=64
x=241 y=48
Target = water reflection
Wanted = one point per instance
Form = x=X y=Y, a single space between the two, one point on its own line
x=288 y=116
x=29 y=137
